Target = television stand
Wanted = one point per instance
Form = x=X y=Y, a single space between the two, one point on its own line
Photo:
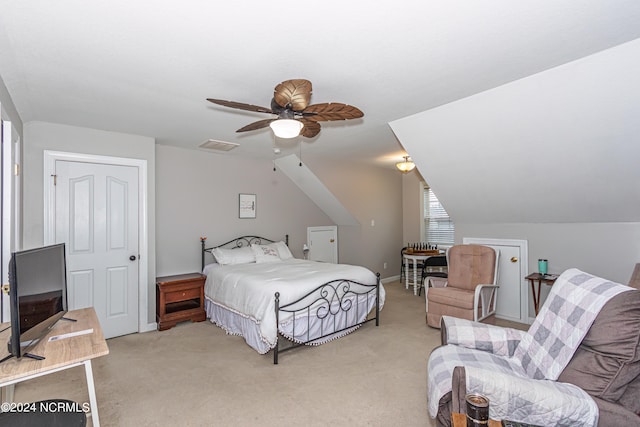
x=29 y=355
x=33 y=356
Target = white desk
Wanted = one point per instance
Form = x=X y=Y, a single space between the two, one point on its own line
x=58 y=355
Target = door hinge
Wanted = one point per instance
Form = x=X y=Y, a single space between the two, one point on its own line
x=55 y=179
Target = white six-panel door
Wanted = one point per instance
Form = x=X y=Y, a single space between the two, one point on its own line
x=96 y=215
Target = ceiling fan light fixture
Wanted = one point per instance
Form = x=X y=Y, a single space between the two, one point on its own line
x=286 y=128
x=406 y=165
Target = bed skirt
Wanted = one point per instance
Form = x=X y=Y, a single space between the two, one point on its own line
x=234 y=323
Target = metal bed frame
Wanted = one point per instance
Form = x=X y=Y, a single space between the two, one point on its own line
x=238 y=242
x=326 y=302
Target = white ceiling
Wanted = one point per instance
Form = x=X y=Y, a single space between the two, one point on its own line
x=146 y=67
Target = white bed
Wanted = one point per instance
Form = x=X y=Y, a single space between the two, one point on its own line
x=240 y=295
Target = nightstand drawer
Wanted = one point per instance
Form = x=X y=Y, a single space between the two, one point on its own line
x=182 y=295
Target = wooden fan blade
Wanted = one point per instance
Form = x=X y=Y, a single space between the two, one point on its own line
x=310 y=128
x=331 y=111
x=240 y=105
x=293 y=93
x=260 y=124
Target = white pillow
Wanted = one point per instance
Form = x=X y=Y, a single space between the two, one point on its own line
x=225 y=256
x=209 y=267
x=265 y=253
x=283 y=250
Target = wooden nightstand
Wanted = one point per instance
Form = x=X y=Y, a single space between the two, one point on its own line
x=179 y=298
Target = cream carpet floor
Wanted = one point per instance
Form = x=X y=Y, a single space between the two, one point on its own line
x=196 y=375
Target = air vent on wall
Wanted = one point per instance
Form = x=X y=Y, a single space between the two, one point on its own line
x=212 y=144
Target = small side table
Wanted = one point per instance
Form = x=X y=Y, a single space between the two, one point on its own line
x=460 y=420
x=179 y=298
x=547 y=279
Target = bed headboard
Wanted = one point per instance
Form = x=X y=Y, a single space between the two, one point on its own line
x=238 y=242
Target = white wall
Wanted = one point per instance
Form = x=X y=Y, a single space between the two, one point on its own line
x=197 y=195
x=9 y=111
x=40 y=136
x=368 y=193
x=551 y=159
x=608 y=250
x=194 y=193
x=558 y=146
x=412 y=205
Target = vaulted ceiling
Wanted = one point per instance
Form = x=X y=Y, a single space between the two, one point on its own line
x=560 y=146
x=147 y=67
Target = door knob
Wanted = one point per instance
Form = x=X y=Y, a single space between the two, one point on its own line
x=514 y=259
x=332 y=240
x=132 y=258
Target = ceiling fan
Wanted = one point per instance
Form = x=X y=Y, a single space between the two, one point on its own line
x=291 y=104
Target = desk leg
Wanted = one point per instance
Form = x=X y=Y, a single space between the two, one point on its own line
x=8 y=392
x=92 y=393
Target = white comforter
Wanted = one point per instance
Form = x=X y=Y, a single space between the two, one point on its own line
x=248 y=289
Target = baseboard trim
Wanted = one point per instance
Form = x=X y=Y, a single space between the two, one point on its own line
x=390 y=279
x=149 y=327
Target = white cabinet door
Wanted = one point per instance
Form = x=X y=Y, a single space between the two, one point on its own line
x=323 y=243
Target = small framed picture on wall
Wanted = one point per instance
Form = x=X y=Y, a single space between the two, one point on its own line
x=247 y=206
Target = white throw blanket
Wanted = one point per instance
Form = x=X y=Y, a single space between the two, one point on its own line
x=523 y=387
x=248 y=289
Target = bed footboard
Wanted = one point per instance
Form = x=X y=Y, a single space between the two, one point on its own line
x=337 y=306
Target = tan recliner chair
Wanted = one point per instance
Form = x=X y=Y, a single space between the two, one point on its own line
x=471 y=289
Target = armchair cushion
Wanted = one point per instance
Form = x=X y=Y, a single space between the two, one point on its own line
x=481 y=336
x=470 y=265
x=608 y=360
x=457 y=297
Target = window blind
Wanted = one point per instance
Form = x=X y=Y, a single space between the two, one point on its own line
x=438 y=227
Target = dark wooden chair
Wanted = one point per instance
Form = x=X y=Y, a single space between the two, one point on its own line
x=434 y=266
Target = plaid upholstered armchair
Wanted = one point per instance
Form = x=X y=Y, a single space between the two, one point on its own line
x=578 y=364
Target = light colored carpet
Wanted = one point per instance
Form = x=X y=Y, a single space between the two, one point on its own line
x=196 y=375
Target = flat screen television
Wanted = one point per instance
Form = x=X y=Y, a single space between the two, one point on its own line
x=37 y=296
